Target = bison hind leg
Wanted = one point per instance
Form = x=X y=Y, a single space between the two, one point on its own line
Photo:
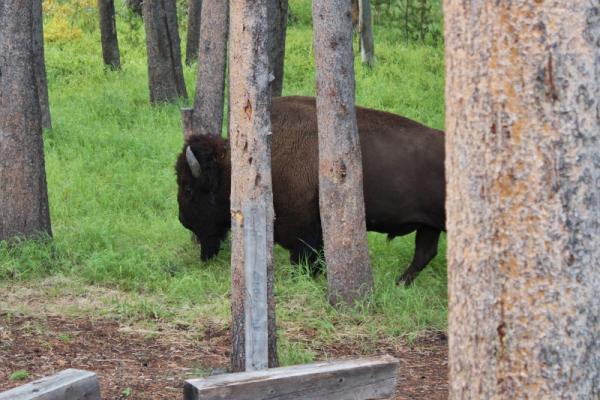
x=426 y=245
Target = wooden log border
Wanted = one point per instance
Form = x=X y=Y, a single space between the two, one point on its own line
x=70 y=384
x=368 y=378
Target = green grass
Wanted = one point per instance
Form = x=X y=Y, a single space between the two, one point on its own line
x=19 y=375
x=110 y=168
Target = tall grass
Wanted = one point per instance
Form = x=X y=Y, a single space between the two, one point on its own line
x=112 y=191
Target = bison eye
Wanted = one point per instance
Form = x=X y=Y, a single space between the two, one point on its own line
x=187 y=190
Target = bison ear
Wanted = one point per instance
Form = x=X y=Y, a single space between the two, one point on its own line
x=193 y=163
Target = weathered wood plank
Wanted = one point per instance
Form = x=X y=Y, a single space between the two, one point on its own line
x=256 y=258
x=368 y=378
x=70 y=384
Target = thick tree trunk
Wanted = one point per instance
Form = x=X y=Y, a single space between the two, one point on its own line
x=193 y=31
x=108 y=34
x=40 y=64
x=207 y=115
x=23 y=193
x=251 y=193
x=340 y=168
x=135 y=6
x=523 y=208
x=278 y=16
x=367 y=52
x=165 y=72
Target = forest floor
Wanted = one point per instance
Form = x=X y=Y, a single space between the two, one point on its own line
x=41 y=335
x=134 y=364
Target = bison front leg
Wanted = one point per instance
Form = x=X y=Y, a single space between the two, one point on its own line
x=426 y=245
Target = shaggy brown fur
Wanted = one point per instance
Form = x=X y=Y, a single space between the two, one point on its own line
x=404 y=186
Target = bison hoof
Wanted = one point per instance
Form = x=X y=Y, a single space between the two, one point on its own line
x=405 y=281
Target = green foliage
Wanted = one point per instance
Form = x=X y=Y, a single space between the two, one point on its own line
x=110 y=168
x=413 y=20
x=19 y=375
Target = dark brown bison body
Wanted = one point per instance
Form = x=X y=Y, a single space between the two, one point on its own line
x=404 y=187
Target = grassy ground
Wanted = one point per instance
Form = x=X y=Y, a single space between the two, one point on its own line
x=118 y=244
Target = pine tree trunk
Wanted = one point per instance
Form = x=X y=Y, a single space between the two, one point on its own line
x=23 y=193
x=278 y=16
x=367 y=52
x=135 y=6
x=251 y=193
x=340 y=167
x=108 y=34
x=523 y=208
x=193 y=31
x=165 y=72
x=206 y=118
x=40 y=64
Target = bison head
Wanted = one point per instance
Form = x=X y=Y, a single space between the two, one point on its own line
x=203 y=179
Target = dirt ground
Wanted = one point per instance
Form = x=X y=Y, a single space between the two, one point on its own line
x=133 y=364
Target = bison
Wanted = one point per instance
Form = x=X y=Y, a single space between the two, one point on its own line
x=404 y=184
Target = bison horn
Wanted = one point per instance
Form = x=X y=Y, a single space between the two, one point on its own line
x=193 y=162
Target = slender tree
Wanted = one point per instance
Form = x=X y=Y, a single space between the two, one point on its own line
x=277 y=28
x=40 y=64
x=206 y=118
x=523 y=203
x=108 y=34
x=251 y=193
x=193 y=31
x=23 y=193
x=365 y=24
x=340 y=168
x=165 y=72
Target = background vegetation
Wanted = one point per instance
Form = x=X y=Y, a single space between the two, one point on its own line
x=112 y=188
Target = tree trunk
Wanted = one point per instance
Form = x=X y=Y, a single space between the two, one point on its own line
x=108 y=34
x=135 y=6
x=39 y=64
x=355 y=15
x=278 y=15
x=340 y=168
x=367 y=52
x=193 y=31
x=23 y=192
x=165 y=72
x=251 y=193
x=207 y=115
x=523 y=208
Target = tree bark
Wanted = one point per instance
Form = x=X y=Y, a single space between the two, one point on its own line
x=40 y=64
x=251 y=192
x=23 y=192
x=193 y=31
x=135 y=6
x=367 y=51
x=207 y=114
x=278 y=16
x=165 y=72
x=340 y=167
x=108 y=34
x=523 y=204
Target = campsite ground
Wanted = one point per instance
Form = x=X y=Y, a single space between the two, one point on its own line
x=43 y=331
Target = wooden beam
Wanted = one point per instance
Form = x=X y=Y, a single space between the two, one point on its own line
x=368 y=378
x=70 y=384
x=256 y=259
